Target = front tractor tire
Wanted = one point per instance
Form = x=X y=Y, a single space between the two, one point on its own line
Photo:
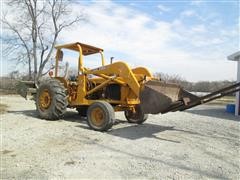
x=137 y=117
x=100 y=116
x=51 y=100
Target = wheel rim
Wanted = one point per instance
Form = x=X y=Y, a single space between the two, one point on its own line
x=97 y=116
x=45 y=99
x=132 y=116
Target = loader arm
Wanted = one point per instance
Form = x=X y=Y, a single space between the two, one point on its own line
x=119 y=69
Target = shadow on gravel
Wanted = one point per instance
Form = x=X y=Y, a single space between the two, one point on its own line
x=74 y=117
x=30 y=113
x=131 y=131
x=216 y=112
x=145 y=130
x=69 y=116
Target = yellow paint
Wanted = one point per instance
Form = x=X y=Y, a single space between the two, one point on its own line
x=97 y=116
x=45 y=99
x=119 y=69
x=130 y=80
x=105 y=83
x=102 y=58
x=142 y=71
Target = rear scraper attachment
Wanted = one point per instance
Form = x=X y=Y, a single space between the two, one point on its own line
x=161 y=97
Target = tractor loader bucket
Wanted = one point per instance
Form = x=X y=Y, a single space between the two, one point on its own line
x=157 y=96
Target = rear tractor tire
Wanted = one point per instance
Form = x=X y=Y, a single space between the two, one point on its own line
x=137 y=117
x=51 y=100
x=100 y=116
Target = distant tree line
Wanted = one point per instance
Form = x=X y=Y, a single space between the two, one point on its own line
x=200 y=86
x=8 y=82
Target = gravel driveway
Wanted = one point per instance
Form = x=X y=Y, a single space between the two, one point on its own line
x=197 y=144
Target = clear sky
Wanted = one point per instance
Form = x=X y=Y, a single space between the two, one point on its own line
x=189 y=38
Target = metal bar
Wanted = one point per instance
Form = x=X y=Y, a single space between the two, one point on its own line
x=89 y=101
x=221 y=95
x=108 y=77
x=221 y=90
x=56 y=63
x=102 y=58
x=204 y=99
x=174 y=108
x=99 y=86
x=80 y=60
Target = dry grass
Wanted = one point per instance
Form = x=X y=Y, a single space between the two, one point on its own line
x=3 y=108
x=7 y=92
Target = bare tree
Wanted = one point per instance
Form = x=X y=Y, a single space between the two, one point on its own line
x=32 y=32
x=174 y=78
x=14 y=74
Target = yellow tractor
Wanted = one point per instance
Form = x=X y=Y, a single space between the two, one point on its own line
x=97 y=93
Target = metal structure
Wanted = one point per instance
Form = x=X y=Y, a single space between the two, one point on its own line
x=236 y=57
x=98 y=93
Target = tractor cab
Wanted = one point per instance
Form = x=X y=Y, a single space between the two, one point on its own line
x=83 y=50
x=79 y=82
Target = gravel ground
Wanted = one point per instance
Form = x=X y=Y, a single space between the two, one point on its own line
x=197 y=144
